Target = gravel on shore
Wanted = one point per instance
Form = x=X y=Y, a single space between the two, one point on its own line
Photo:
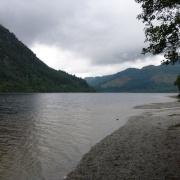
x=147 y=147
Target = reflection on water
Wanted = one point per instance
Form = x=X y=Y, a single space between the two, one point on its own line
x=18 y=143
x=43 y=136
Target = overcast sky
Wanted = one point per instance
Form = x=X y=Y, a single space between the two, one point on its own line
x=81 y=37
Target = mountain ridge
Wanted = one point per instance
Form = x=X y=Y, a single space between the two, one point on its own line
x=147 y=79
x=22 y=71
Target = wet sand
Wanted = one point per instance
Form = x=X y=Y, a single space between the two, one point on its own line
x=147 y=147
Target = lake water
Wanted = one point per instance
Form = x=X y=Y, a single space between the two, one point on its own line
x=43 y=136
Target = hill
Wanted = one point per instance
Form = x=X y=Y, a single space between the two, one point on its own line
x=22 y=71
x=148 y=79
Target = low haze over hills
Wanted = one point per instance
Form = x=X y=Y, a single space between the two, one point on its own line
x=22 y=71
x=148 y=79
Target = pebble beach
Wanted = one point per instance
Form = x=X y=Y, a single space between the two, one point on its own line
x=147 y=147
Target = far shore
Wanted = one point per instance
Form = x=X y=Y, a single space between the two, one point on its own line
x=147 y=147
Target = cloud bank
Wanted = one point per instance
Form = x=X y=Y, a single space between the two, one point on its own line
x=82 y=37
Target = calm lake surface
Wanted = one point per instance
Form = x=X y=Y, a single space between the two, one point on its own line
x=43 y=136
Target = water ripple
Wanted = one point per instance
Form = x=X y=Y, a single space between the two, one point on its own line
x=43 y=136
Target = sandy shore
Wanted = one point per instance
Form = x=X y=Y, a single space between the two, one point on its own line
x=147 y=147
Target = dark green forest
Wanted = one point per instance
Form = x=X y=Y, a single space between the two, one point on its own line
x=22 y=71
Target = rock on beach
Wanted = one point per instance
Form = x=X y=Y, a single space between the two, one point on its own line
x=147 y=147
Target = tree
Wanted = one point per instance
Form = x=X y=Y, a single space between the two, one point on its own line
x=162 y=28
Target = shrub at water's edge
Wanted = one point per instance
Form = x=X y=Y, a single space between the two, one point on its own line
x=177 y=83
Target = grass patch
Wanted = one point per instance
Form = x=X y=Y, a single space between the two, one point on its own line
x=173 y=127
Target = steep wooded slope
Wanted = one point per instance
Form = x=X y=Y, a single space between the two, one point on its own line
x=22 y=71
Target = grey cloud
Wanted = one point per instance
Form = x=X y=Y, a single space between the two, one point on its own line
x=104 y=31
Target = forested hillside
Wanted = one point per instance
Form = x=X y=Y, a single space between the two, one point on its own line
x=22 y=71
x=148 y=79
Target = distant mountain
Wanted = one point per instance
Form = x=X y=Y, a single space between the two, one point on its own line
x=148 y=79
x=22 y=71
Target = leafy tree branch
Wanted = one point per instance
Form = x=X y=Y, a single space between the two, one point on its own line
x=162 y=28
